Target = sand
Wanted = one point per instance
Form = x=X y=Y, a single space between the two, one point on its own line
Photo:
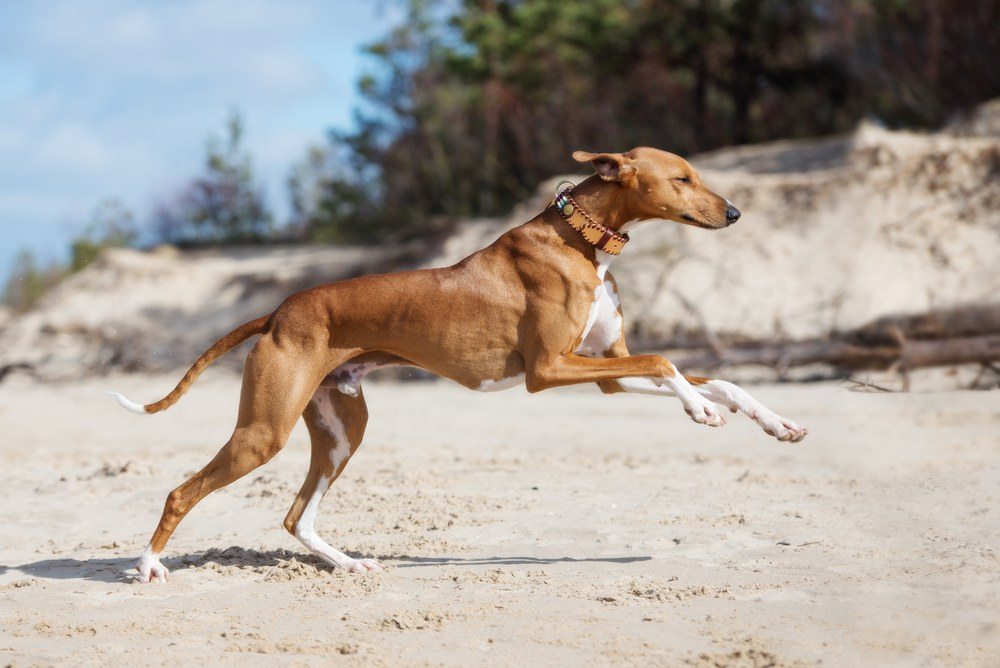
x=565 y=528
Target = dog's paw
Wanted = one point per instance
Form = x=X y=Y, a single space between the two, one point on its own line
x=150 y=569
x=781 y=428
x=703 y=411
x=362 y=566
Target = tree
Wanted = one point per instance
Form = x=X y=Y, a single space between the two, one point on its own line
x=469 y=105
x=921 y=61
x=29 y=280
x=221 y=206
x=111 y=226
x=324 y=198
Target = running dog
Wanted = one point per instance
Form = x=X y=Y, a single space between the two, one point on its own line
x=537 y=307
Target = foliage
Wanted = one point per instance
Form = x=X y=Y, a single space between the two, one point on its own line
x=317 y=195
x=222 y=205
x=29 y=280
x=919 y=61
x=111 y=226
x=470 y=105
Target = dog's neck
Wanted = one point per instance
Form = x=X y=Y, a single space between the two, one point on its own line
x=598 y=211
x=605 y=201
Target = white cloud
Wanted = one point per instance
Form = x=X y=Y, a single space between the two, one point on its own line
x=282 y=71
x=136 y=27
x=71 y=146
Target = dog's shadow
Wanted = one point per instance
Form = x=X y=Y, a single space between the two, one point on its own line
x=95 y=570
x=411 y=562
x=122 y=569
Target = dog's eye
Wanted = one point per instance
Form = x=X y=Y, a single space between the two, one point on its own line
x=683 y=179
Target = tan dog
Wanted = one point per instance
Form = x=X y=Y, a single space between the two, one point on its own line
x=537 y=307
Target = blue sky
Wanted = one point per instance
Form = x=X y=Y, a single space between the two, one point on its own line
x=115 y=98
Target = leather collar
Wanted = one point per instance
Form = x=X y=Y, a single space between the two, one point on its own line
x=597 y=235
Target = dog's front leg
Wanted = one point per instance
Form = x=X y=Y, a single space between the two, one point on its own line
x=648 y=374
x=735 y=398
x=721 y=392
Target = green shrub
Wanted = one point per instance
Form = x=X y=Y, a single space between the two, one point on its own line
x=29 y=280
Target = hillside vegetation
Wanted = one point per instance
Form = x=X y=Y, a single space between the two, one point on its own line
x=835 y=232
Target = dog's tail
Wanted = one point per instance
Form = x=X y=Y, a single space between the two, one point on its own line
x=218 y=349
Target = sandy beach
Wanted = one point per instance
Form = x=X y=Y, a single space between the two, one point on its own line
x=564 y=528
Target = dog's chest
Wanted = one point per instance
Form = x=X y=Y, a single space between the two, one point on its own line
x=604 y=322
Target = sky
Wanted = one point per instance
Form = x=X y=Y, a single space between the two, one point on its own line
x=116 y=99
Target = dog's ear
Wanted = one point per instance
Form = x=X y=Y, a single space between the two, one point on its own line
x=609 y=166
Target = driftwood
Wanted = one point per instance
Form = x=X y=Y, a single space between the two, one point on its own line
x=940 y=338
x=20 y=366
x=845 y=355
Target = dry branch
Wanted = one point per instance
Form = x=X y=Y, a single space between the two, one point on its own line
x=940 y=338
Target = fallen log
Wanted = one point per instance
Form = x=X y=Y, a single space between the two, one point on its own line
x=963 y=335
x=968 y=320
x=946 y=352
x=904 y=356
x=7 y=369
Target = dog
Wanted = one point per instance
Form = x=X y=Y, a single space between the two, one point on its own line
x=538 y=308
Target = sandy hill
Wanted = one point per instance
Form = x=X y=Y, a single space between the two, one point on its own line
x=835 y=232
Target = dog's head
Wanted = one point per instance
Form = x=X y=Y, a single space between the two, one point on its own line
x=658 y=184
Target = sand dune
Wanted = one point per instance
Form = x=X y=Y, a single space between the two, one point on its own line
x=835 y=233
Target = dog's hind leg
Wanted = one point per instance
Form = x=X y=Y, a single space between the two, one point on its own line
x=276 y=389
x=336 y=422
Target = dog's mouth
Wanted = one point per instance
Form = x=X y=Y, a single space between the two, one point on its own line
x=688 y=218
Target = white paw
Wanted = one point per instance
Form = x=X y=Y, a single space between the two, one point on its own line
x=781 y=428
x=150 y=569
x=362 y=566
x=704 y=411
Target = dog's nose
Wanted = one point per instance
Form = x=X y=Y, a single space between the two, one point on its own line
x=732 y=214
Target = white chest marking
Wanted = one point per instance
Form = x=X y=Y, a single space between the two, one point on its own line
x=604 y=322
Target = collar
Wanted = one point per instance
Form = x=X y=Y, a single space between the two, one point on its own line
x=597 y=235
